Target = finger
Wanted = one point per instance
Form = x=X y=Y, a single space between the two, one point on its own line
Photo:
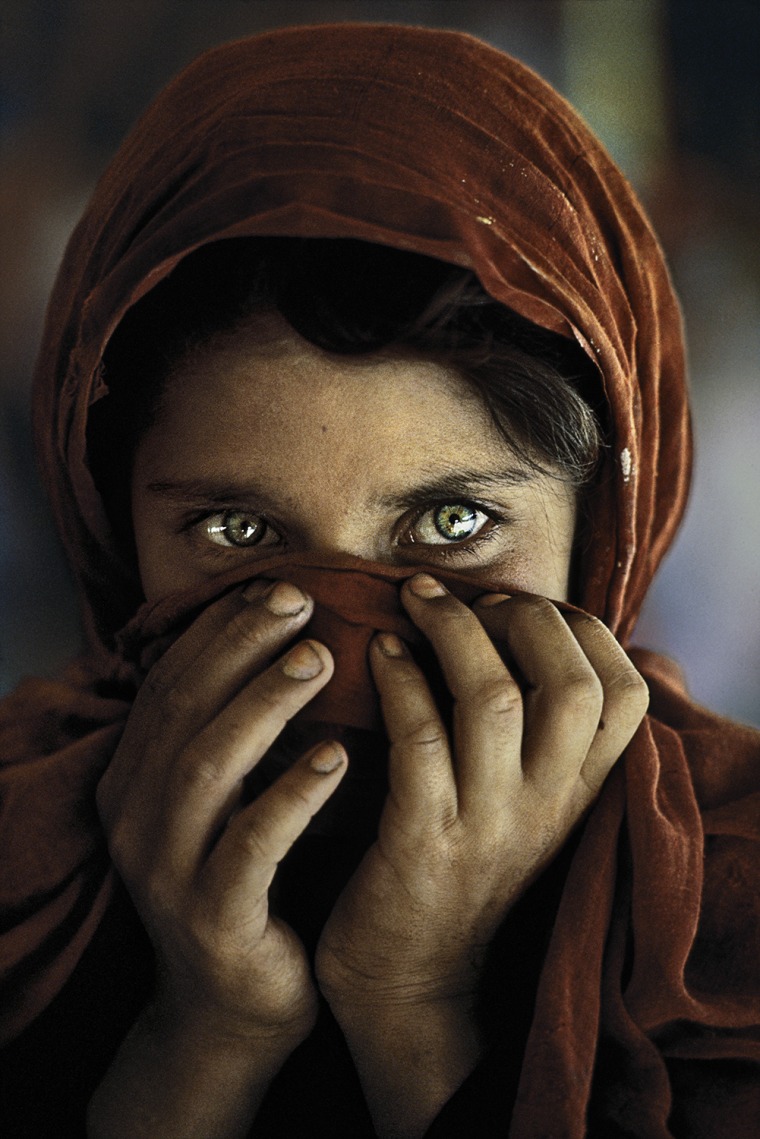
x=564 y=694
x=488 y=710
x=148 y=711
x=258 y=837
x=211 y=661
x=228 y=643
x=182 y=650
x=204 y=782
x=420 y=771
x=625 y=696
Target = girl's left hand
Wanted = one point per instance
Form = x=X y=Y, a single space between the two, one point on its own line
x=471 y=820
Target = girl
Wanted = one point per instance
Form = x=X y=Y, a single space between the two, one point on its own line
x=361 y=406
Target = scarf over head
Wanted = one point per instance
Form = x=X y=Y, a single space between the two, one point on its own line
x=433 y=142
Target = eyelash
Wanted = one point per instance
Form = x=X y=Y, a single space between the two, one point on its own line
x=449 y=551
x=446 y=552
x=443 y=551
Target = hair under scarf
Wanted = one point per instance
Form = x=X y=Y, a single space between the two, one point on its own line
x=429 y=141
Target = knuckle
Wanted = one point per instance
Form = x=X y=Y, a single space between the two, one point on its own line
x=295 y=800
x=176 y=703
x=199 y=768
x=579 y=694
x=499 y=698
x=629 y=689
x=261 y=841
x=426 y=736
x=582 y=691
x=253 y=843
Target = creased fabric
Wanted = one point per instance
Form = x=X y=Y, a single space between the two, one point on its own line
x=375 y=133
x=648 y=1001
x=354 y=599
x=56 y=740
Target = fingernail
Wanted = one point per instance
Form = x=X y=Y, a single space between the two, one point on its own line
x=423 y=585
x=326 y=757
x=302 y=662
x=256 y=589
x=285 y=600
x=489 y=599
x=391 y=645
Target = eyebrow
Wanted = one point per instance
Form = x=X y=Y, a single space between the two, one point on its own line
x=202 y=490
x=454 y=484
x=458 y=484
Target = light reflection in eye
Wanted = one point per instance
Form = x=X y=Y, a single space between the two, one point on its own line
x=235 y=528
x=450 y=522
x=447 y=524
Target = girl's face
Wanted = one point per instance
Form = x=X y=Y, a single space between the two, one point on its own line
x=263 y=443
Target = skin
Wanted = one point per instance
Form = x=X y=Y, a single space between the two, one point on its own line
x=469 y=822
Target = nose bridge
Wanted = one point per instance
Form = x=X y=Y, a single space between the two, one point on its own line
x=331 y=516
x=344 y=531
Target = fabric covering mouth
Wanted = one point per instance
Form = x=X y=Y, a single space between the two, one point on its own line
x=353 y=600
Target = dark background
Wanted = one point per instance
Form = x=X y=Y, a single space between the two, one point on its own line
x=672 y=87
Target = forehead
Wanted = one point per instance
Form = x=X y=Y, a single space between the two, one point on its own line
x=264 y=372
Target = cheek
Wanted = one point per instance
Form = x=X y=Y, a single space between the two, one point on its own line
x=543 y=552
x=559 y=546
x=162 y=559
x=164 y=569
x=532 y=572
x=154 y=554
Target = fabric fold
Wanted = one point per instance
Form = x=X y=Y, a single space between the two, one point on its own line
x=648 y=999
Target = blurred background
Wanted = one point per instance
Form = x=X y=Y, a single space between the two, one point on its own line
x=673 y=89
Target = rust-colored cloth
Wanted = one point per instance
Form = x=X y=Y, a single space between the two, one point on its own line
x=648 y=1000
x=354 y=599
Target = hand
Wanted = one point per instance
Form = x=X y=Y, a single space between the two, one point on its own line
x=471 y=820
x=197 y=862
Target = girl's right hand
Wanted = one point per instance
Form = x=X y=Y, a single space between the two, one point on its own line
x=197 y=863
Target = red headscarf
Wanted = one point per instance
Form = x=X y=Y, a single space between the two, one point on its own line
x=423 y=140
x=428 y=141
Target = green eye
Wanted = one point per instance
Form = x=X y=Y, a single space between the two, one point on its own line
x=235 y=528
x=450 y=522
x=455 y=522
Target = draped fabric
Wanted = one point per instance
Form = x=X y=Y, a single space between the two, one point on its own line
x=646 y=1010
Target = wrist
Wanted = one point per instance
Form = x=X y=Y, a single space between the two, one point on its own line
x=394 y=995
x=413 y=1009
x=411 y=1055
x=202 y=1027
x=177 y=1076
